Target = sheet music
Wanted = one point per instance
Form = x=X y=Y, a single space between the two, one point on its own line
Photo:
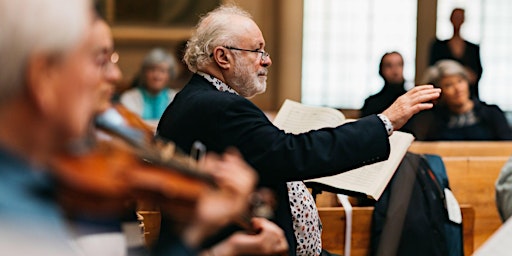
x=294 y=117
x=372 y=179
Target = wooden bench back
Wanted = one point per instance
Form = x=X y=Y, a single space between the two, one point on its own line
x=472 y=181
x=333 y=234
x=473 y=167
x=463 y=148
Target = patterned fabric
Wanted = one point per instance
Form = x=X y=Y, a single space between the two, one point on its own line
x=306 y=221
x=466 y=119
x=221 y=86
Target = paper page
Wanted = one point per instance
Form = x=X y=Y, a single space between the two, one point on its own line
x=372 y=179
x=294 y=117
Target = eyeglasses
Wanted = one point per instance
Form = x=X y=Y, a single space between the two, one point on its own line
x=110 y=60
x=264 y=54
x=114 y=57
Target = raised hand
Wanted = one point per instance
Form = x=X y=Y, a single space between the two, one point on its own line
x=419 y=98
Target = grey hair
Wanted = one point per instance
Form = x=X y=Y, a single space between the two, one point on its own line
x=34 y=26
x=157 y=56
x=214 y=29
x=443 y=68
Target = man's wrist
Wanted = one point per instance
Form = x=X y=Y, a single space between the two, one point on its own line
x=387 y=123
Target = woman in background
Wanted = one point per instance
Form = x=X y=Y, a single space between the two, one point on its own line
x=456 y=116
x=151 y=93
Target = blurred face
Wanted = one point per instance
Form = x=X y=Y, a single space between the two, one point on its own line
x=107 y=58
x=455 y=90
x=393 y=68
x=249 y=76
x=76 y=81
x=457 y=18
x=157 y=77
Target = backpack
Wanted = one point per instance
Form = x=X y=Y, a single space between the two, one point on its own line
x=410 y=218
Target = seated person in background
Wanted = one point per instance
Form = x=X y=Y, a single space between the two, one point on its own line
x=456 y=116
x=150 y=93
x=391 y=69
x=231 y=65
x=503 y=188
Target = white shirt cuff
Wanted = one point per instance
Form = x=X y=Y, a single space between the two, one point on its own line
x=387 y=124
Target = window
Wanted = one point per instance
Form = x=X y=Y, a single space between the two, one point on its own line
x=486 y=23
x=343 y=43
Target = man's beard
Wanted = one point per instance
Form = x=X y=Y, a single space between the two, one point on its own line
x=246 y=83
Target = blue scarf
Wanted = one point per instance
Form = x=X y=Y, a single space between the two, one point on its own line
x=154 y=105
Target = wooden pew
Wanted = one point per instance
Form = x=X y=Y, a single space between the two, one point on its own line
x=471 y=179
x=333 y=234
x=473 y=167
x=463 y=148
x=472 y=182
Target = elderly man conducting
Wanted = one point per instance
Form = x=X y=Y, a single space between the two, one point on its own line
x=227 y=54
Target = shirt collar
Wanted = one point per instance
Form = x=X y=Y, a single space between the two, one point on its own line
x=221 y=86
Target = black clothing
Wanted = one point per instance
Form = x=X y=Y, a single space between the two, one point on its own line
x=432 y=125
x=222 y=119
x=471 y=58
x=377 y=103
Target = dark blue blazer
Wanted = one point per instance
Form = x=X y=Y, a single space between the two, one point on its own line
x=200 y=112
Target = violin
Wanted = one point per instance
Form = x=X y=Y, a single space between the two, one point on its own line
x=107 y=175
x=123 y=169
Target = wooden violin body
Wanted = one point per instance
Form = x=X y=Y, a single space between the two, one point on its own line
x=125 y=171
x=115 y=177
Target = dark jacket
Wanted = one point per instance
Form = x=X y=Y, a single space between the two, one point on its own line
x=432 y=125
x=377 y=103
x=221 y=119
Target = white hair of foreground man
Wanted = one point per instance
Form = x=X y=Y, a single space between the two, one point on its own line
x=28 y=27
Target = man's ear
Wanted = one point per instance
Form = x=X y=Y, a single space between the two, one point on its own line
x=222 y=56
x=40 y=80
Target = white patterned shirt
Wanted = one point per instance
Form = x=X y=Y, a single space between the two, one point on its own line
x=306 y=221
